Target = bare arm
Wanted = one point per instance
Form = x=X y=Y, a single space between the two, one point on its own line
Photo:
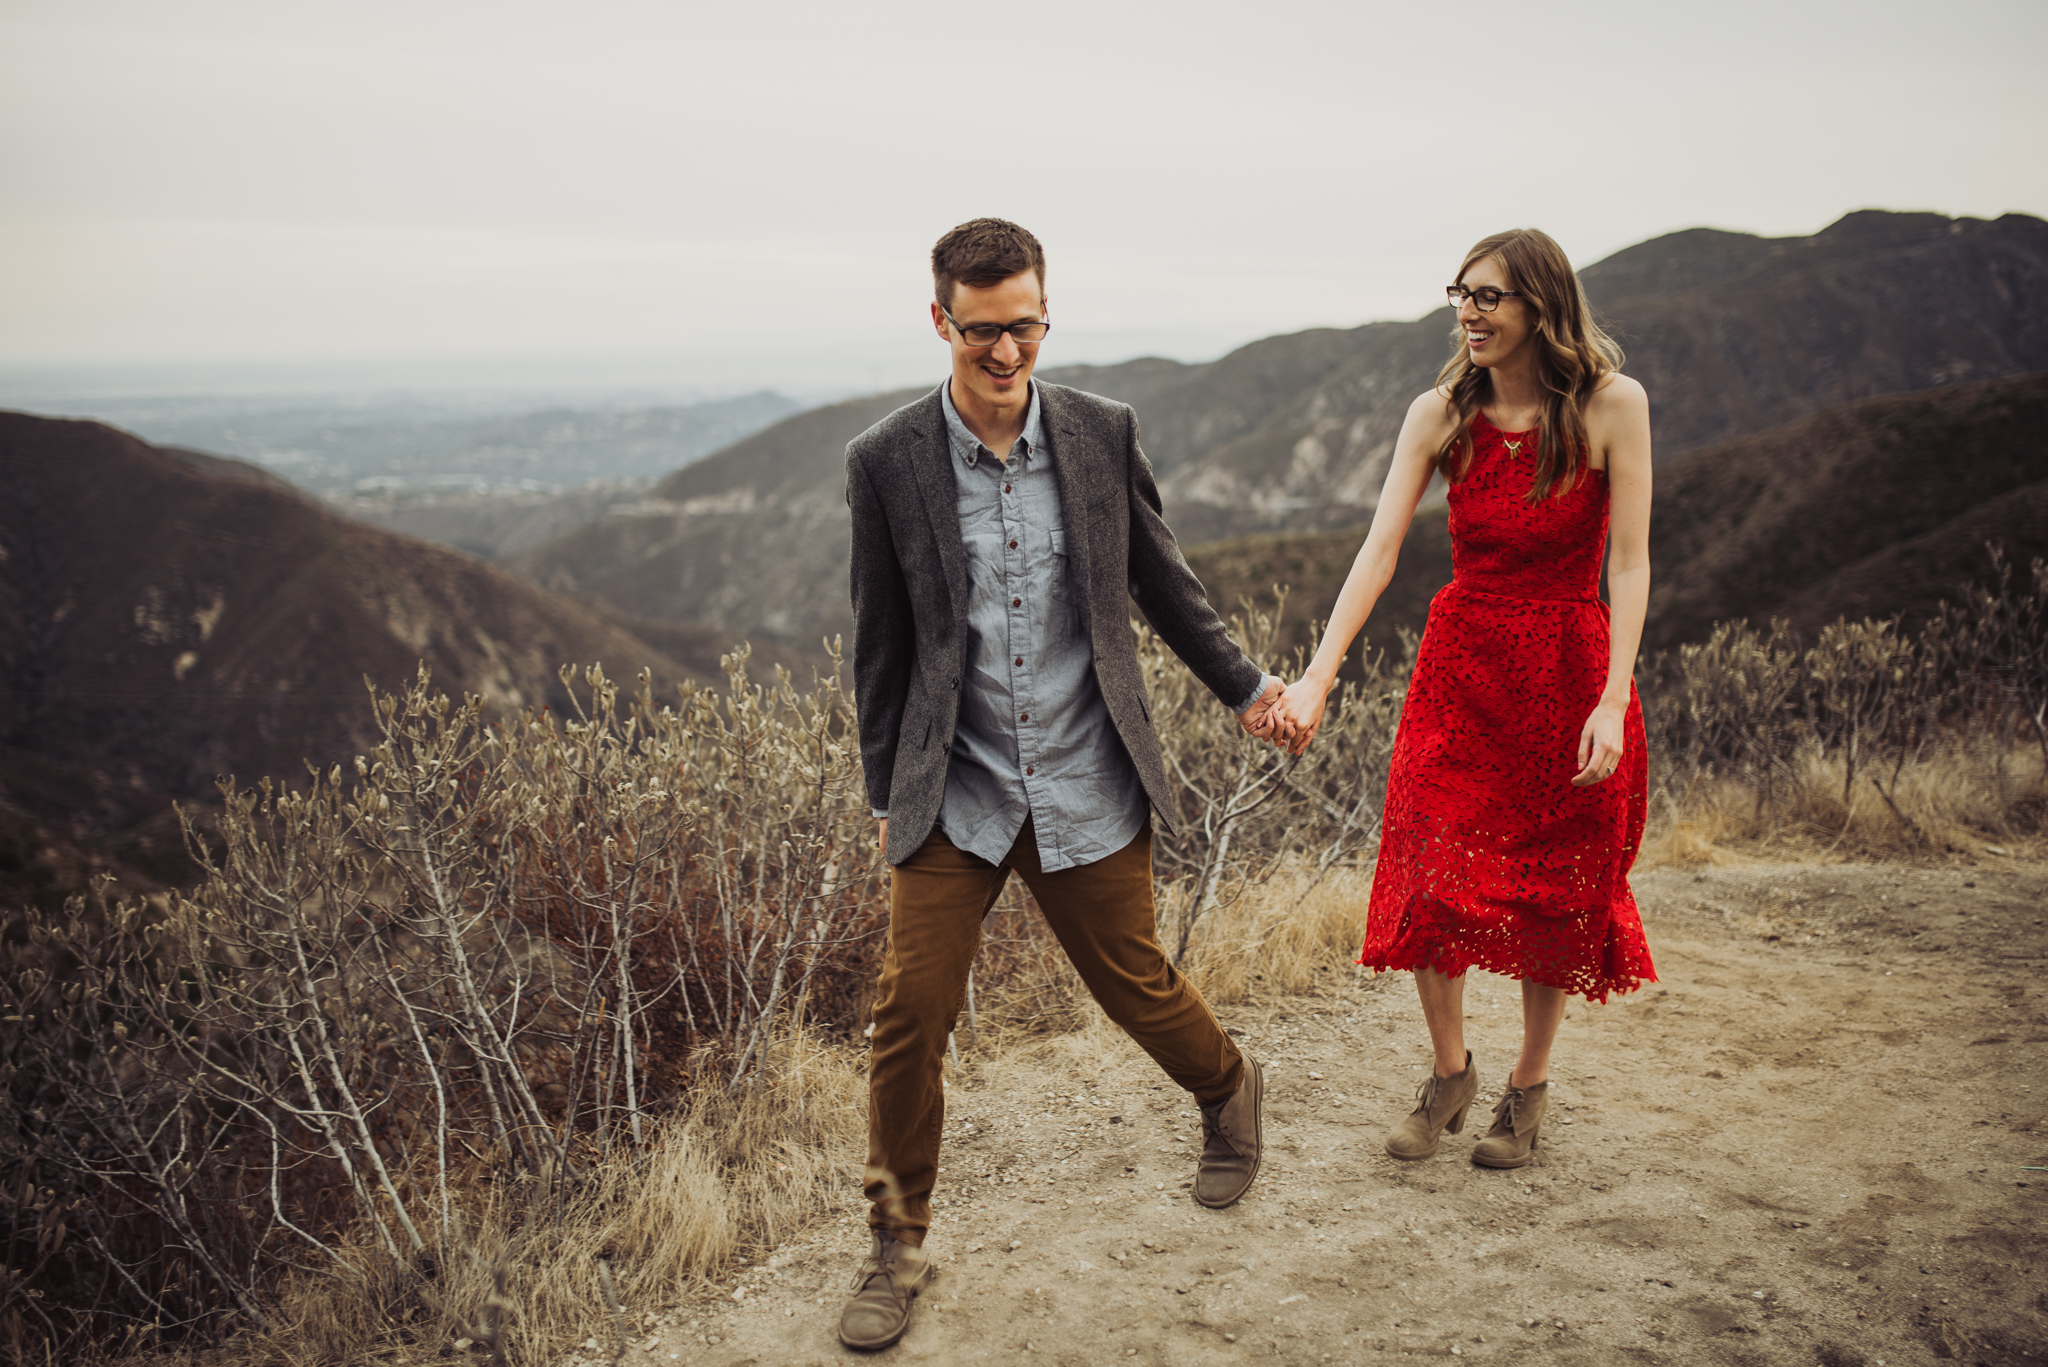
x=1300 y=709
x=1618 y=425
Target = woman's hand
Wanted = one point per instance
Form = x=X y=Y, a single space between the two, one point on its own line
x=1600 y=744
x=1300 y=711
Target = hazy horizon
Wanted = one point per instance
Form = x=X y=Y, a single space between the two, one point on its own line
x=639 y=198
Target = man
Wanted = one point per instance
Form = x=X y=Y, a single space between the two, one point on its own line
x=998 y=525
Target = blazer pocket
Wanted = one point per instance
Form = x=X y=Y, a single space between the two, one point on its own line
x=915 y=725
x=1110 y=507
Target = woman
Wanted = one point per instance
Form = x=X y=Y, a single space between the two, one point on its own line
x=1516 y=796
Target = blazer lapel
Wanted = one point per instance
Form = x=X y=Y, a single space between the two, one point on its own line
x=932 y=464
x=1073 y=456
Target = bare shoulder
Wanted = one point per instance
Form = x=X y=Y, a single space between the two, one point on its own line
x=1432 y=415
x=1617 y=396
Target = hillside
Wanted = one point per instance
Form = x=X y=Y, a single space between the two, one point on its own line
x=754 y=539
x=167 y=617
x=1875 y=508
x=1731 y=333
x=1872 y=508
x=489 y=524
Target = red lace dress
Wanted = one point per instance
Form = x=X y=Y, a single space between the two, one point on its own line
x=1489 y=857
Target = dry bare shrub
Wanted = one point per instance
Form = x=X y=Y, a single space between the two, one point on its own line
x=493 y=960
x=1247 y=809
x=518 y=1007
x=1871 y=741
x=739 y=1174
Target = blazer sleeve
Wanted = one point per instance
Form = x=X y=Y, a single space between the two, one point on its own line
x=1170 y=596
x=884 y=633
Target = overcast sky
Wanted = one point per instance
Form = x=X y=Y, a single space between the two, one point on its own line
x=744 y=194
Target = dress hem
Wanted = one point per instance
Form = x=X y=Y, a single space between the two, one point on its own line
x=1454 y=955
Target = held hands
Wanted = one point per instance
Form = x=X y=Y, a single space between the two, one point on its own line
x=1299 y=712
x=1288 y=719
x=1257 y=720
x=1600 y=745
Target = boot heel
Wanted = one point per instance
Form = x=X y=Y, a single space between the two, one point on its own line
x=1440 y=1104
x=1517 y=1124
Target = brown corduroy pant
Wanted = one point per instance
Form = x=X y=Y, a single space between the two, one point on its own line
x=1103 y=916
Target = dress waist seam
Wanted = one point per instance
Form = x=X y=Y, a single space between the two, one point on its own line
x=1466 y=586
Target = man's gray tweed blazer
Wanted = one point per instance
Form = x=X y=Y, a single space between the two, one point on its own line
x=910 y=595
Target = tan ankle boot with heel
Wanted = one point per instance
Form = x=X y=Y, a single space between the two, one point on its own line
x=1518 y=1115
x=1440 y=1106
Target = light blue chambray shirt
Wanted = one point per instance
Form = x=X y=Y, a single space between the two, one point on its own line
x=1034 y=739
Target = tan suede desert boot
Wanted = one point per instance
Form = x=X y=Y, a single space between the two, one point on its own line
x=1231 y=1142
x=888 y=1281
x=1440 y=1106
x=1516 y=1117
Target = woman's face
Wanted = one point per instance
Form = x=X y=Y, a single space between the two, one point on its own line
x=1491 y=338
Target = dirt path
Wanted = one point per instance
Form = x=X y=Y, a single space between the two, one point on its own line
x=1810 y=1144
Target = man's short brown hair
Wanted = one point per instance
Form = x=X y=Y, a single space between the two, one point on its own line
x=984 y=252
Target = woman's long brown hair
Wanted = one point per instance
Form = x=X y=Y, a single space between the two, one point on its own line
x=1573 y=354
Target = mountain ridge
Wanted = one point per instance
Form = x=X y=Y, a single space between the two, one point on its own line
x=166 y=618
x=1730 y=333
x=1879 y=508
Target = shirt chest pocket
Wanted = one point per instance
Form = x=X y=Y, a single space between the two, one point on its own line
x=1062 y=571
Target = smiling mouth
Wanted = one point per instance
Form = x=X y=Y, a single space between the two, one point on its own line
x=1476 y=338
x=1000 y=373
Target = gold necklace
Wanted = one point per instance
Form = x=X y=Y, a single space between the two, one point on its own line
x=1514 y=447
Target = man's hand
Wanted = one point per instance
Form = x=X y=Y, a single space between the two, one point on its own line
x=882 y=835
x=1262 y=721
x=1300 y=712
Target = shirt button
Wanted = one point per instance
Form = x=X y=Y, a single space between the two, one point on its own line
x=1006 y=488
x=1013 y=545
x=1024 y=717
x=1016 y=602
x=1029 y=772
x=1020 y=659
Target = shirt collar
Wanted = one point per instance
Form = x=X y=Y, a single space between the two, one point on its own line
x=969 y=447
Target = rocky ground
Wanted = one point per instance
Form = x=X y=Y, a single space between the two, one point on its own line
x=1823 y=1138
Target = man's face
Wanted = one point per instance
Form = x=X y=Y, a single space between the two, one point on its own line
x=998 y=374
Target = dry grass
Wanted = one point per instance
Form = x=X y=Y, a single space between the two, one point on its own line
x=1285 y=935
x=1957 y=800
x=737 y=1177
x=1284 y=938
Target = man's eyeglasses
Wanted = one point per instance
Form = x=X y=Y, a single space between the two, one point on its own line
x=988 y=334
x=1486 y=298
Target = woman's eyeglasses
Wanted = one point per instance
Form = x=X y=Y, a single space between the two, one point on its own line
x=1486 y=298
